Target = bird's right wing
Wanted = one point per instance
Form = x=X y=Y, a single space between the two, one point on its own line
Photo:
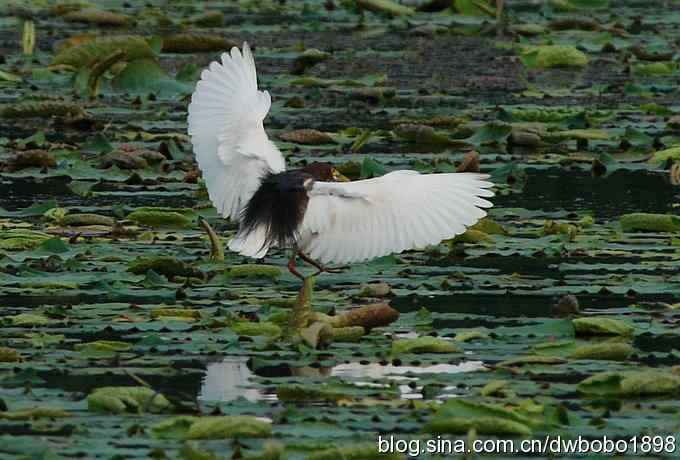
x=356 y=221
x=229 y=140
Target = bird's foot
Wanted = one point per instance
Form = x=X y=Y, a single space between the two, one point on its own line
x=319 y=266
x=323 y=269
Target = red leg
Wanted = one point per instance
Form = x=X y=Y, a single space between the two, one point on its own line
x=291 y=266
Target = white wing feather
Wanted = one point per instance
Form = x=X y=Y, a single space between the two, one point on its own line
x=229 y=140
x=356 y=221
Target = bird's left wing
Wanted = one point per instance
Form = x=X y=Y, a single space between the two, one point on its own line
x=229 y=140
x=356 y=221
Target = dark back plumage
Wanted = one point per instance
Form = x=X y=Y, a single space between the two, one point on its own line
x=279 y=205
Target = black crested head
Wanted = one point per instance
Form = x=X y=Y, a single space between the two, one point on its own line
x=279 y=205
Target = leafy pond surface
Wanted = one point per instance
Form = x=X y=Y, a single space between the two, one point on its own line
x=106 y=279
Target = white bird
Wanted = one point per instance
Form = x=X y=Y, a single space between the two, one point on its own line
x=323 y=221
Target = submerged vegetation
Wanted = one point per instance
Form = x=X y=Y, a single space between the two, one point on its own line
x=127 y=331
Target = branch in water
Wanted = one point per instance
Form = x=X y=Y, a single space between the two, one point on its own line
x=317 y=329
x=216 y=249
x=368 y=316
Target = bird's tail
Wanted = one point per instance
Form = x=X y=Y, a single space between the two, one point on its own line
x=251 y=244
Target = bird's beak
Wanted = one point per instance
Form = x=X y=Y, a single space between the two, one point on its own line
x=338 y=176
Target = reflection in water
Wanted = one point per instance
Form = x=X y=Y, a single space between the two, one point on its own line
x=377 y=371
x=231 y=378
x=397 y=373
x=228 y=380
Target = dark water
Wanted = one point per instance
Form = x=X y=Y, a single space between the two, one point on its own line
x=621 y=192
x=548 y=190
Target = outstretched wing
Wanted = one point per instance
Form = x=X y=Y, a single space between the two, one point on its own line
x=229 y=140
x=356 y=221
